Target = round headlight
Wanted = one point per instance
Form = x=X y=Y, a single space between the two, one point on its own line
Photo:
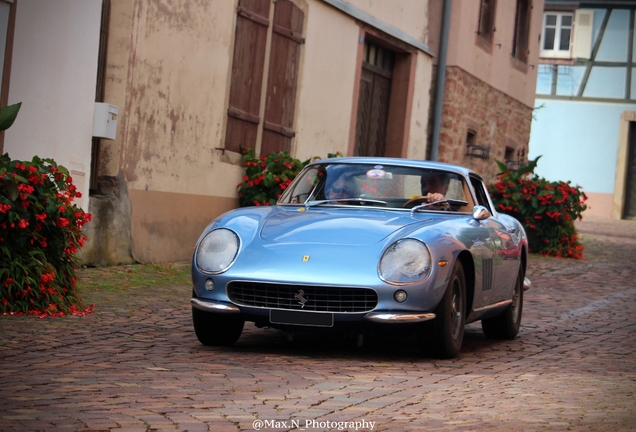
x=405 y=261
x=217 y=251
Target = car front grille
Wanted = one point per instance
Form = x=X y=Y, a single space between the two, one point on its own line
x=315 y=298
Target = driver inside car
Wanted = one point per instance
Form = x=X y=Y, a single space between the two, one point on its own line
x=434 y=186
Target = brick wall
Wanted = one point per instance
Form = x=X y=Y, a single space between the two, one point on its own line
x=498 y=120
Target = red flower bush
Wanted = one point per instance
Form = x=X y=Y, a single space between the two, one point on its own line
x=40 y=233
x=267 y=177
x=546 y=209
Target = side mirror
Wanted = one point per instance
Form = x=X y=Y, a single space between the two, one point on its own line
x=480 y=212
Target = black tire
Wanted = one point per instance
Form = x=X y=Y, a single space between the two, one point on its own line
x=216 y=329
x=446 y=332
x=506 y=324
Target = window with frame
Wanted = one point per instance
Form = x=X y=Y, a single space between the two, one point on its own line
x=471 y=137
x=487 y=20
x=556 y=35
x=510 y=157
x=522 y=30
x=266 y=127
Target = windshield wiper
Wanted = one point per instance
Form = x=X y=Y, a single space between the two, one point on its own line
x=309 y=204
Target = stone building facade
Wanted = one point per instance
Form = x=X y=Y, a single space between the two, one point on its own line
x=486 y=70
x=474 y=110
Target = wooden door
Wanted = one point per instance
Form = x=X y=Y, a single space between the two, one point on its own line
x=373 y=101
x=630 y=188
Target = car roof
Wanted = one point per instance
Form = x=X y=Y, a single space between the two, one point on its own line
x=399 y=162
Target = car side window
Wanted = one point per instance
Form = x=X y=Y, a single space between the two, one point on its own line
x=302 y=189
x=480 y=192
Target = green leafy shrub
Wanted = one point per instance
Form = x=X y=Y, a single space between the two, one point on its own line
x=267 y=177
x=546 y=209
x=40 y=233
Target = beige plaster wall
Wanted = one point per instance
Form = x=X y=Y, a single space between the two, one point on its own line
x=176 y=86
x=169 y=72
x=497 y=69
x=420 y=108
x=326 y=82
x=411 y=17
x=166 y=225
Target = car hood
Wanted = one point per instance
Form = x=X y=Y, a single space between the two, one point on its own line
x=335 y=226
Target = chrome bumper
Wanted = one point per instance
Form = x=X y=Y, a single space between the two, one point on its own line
x=379 y=317
x=398 y=318
x=209 y=306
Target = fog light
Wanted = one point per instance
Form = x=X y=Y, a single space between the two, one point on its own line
x=209 y=284
x=400 y=296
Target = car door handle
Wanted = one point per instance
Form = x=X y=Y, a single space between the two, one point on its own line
x=512 y=230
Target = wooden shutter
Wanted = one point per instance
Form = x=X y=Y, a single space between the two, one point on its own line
x=522 y=30
x=282 y=77
x=247 y=74
x=583 y=25
x=487 y=19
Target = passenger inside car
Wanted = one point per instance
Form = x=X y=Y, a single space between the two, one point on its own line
x=344 y=187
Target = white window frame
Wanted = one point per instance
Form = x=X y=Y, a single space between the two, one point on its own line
x=557 y=53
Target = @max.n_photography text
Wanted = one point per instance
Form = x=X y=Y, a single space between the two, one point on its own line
x=357 y=425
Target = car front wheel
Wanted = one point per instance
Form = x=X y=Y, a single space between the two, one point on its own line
x=506 y=325
x=445 y=333
x=216 y=329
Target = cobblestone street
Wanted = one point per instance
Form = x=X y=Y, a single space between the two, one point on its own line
x=136 y=365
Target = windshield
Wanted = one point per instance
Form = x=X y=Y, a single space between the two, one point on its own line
x=379 y=185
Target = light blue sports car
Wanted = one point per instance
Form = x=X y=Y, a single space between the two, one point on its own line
x=362 y=245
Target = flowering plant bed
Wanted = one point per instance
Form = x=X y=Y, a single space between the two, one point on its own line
x=40 y=234
x=546 y=209
x=267 y=177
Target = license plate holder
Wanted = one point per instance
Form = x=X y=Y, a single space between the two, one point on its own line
x=301 y=318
